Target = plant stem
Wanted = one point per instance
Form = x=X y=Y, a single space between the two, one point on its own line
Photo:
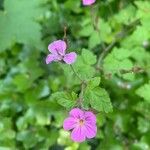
x=76 y=73
x=82 y=90
x=105 y=51
x=83 y=83
x=79 y=102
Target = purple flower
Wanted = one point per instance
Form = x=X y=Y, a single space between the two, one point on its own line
x=82 y=123
x=58 y=53
x=88 y=2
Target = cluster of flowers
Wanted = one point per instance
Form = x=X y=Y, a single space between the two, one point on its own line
x=82 y=123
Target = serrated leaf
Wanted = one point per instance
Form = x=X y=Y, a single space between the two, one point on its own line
x=83 y=64
x=93 y=82
x=67 y=100
x=119 y=59
x=99 y=99
x=88 y=57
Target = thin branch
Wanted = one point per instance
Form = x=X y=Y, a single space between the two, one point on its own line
x=83 y=85
x=135 y=70
x=65 y=35
x=123 y=33
x=82 y=90
x=80 y=100
x=105 y=51
x=132 y=70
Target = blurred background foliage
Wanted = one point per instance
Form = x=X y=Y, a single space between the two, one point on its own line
x=31 y=113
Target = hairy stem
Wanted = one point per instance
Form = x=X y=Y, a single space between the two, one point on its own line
x=83 y=83
x=105 y=51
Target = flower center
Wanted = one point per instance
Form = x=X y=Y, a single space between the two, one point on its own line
x=81 y=122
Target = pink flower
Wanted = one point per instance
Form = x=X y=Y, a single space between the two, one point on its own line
x=88 y=2
x=58 y=53
x=82 y=123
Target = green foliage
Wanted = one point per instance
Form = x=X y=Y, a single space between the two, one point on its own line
x=20 y=28
x=116 y=60
x=83 y=66
x=67 y=100
x=35 y=98
x=93 y=82
x=144 y=92
x=96 y=37
x=99 y=99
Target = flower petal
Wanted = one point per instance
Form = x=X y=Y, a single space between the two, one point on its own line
x=88 y=2
x=57 y=47
x=90 y=130
x=51 y=58
x=69 y=123
x=78 y=134
x=90 y=117
x=70 y=58
x=77 y=113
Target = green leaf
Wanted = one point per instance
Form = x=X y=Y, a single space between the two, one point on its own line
x=94 y=39
x=65 y=99
x=93 y=82
x=143 y=108
x=104 y=34
x=28 y=137
x=7 y=132
x=90 y=85
x=21 y=123
x=143 y=125
x=99 y=99
x=126 y=15
x=119 y=59
x=22 y=81
x=143 y=9
x=86 y=30
x=144 y=92
x=18 y=23
x=73 y=5
x=88 y=57
x=137 y=38
x=83 y=65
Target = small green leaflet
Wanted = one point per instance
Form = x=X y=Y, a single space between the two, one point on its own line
x=93 y=82
x=67 y=100
x=83 y=65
